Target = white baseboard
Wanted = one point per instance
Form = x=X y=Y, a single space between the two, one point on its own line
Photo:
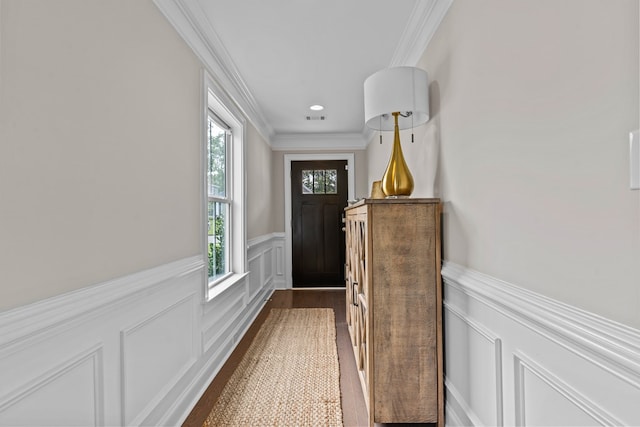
x=514 y=357
x=139 y=350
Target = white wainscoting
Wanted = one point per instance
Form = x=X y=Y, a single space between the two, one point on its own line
x=138 y=350
x=513 y=357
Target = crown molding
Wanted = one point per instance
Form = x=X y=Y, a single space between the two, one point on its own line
x=423 y=23
x=425 y=19
x=318 y=142
x=190 y=22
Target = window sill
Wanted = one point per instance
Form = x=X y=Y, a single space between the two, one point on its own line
x=225 y=284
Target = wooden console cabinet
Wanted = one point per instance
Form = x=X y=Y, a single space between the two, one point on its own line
x=394 y=307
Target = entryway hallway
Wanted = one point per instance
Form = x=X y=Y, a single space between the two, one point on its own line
x=353 y=405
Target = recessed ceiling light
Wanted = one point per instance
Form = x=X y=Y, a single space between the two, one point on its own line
x=316 y=107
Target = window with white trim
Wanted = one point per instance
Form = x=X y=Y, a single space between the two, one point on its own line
x=224 y=194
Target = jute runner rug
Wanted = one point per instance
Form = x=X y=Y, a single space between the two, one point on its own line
x=288 y=377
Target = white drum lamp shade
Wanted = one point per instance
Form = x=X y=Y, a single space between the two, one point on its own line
x=396 y=89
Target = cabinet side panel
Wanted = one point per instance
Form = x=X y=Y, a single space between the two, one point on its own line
x=404 y=239
x=357 y=294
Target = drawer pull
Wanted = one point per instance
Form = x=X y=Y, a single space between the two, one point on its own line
x=354 y=293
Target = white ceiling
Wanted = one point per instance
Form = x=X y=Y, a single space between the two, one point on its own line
x=282 y=56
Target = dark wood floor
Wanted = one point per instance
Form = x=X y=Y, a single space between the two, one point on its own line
x=354 y=411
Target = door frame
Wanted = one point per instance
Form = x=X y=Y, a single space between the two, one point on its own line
x=288 y=238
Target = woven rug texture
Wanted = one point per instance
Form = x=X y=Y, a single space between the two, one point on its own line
x=288 y=377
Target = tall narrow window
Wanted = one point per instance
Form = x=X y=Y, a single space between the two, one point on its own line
x=224 y=242
x=219 y=200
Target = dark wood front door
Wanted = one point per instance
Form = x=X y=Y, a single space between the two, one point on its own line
x=318 y=197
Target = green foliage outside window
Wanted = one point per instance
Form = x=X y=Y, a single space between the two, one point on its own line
x=216 y=248
x=218 y=199
x=320 y=181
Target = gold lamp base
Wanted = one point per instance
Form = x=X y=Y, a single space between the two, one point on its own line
x=397 y=180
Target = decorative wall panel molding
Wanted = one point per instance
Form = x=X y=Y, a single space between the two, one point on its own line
x=560 y=365
x=270 y=248
x=560 y=398
x=138 y=350
x=256 y=273
x=81 y=381
x=144 y=383
x=485 y=366
x=222 y=317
